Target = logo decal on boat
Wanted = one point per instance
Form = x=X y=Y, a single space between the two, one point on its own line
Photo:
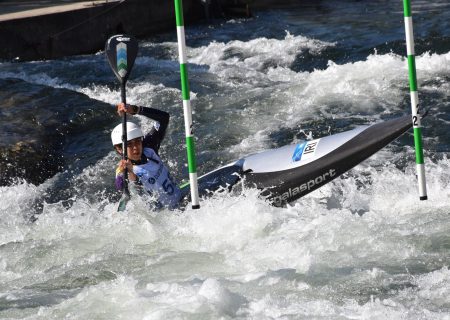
x=304 y=187
x=305 y=150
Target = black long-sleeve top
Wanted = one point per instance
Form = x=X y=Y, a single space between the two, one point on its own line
x=153 y=138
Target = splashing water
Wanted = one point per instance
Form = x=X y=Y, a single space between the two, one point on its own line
x=361 y=247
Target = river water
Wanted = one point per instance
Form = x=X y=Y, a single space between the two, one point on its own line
x=361 y=247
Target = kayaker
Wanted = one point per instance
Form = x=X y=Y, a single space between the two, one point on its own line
x=145 y=167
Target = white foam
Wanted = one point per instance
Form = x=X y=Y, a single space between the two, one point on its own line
x=246 y=241
x=223 y=299
x=248 y=59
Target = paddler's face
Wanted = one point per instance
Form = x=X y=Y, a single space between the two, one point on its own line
x=134 y=149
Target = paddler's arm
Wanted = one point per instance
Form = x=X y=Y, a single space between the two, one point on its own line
x=159 y=116
x=154 y=137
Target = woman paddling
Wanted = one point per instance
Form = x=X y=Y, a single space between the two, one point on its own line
x=144 y=165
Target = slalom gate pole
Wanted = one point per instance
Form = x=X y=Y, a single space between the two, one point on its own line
x=187 y=110
x=414 y=99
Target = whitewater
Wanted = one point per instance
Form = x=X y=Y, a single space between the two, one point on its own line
x=361 y=247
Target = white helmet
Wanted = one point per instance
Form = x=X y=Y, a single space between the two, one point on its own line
x=133 y=132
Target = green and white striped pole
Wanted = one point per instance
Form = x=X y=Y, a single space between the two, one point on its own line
x=414 y=100
x=187 y=110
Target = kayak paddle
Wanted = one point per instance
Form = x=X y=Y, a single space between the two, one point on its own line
x=121 y=51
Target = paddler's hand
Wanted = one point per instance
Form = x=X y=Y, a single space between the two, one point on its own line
x=130 y=109
x=127 y=164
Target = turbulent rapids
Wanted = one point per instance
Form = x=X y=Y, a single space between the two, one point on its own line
x=360 y=247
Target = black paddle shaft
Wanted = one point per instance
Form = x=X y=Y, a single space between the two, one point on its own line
x=124 y=123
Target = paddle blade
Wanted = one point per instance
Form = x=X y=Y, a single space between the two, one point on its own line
x=121 y=51
x=123 y=202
